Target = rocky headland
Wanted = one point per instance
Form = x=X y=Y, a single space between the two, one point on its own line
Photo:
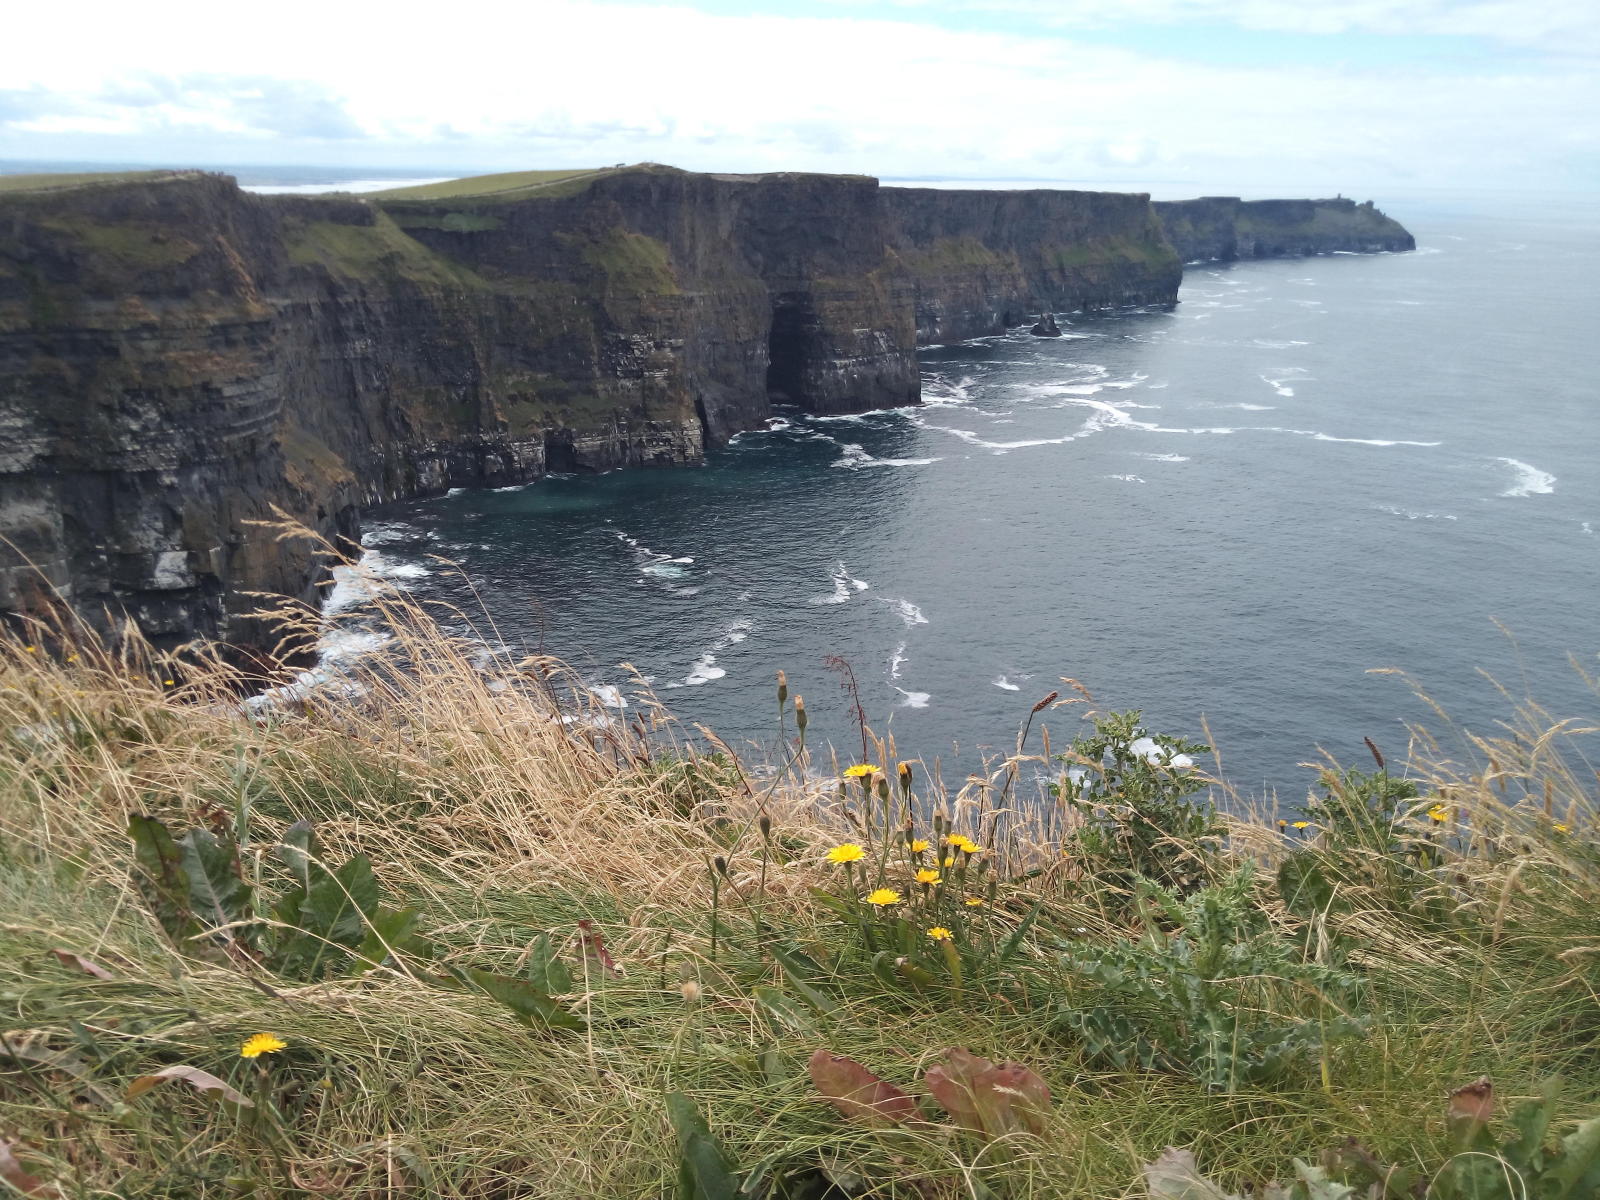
x=179 y=359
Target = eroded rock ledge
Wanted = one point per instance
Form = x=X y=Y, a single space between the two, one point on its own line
x=178 y=358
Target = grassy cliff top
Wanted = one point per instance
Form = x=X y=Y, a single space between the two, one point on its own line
x=68 y=180
x=508 y=185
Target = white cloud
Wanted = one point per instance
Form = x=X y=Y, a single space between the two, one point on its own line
x=563 y=82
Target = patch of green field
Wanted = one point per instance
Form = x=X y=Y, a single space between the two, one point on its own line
x=75 y=179
x=507 y=185
x=381 y=249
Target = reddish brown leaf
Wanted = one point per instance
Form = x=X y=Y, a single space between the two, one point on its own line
x=594 y=947
x=78 y=963
x=12 y=1173
x=857 y=1092
x=201 y=1081
x=1473 y=1104
x=952 y=1083
x=986 y=1098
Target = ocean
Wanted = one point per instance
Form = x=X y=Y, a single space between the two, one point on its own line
x=1238 y=517
x=1228 y=516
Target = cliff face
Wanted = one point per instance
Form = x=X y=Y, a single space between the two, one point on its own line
x=982 y=261
x=179 y=358
x=1225 y=228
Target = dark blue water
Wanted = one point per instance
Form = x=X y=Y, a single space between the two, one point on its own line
x=1229 y=513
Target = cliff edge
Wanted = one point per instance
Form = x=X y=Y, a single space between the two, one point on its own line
x=1225 y=228
x=180 y=359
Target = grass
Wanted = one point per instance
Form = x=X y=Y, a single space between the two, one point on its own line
x=77 y=179
x=493 y=797
x=509 y=185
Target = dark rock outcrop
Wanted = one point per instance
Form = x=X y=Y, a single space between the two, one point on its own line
x=1046 y=326
x=1225 y=228
x=179 y=360
x=980 y=261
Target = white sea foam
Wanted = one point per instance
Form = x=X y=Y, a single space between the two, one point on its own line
x=705 y=669
x=455 y=492
x=907 y=611
x=1531 y=481
x=1006 y=684
x=1163 y=457
x=897 y=660
x=1156 y=756
x=610 y=695
x=914 y=699
x=732 y=634
x=1126 y=478
x=515 y=487
x=1412 y=514
x=844 y=586
x=387 y=533
x=855 y=457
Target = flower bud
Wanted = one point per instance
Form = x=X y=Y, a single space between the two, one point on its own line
x=690 y=990
x=766 y=827
x=800 y=712
x=783 y=689
x=721 y=864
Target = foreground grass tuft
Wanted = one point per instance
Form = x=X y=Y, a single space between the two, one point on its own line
x=442 y=926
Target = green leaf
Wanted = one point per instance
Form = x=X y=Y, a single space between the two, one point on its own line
x=158 y=874
x=532 y=1007
x=704 y=1171
x=338 y=903
x=1014 y=942
x=546 y=971
x=782 y=1013
x=388 y=930
x=217 y=893
x=1174 y=1176
x=1577 y=1173
x=794 y=970
x=297 y=850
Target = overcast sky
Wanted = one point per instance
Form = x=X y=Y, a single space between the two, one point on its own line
x=1363 y=94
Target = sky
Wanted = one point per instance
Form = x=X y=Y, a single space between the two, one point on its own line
x=1189 y=95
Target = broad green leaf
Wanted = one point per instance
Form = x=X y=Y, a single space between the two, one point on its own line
x=388 y=930
x=159 y=876
x=217 y=893
x=704 y=1171
x=531 y=1006
x=1576 y=1176
x=297 y=850
x=1175 y=1176
x=546 y=971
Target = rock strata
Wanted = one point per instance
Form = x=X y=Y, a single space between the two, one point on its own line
x=1225 y=228
x=181 y=361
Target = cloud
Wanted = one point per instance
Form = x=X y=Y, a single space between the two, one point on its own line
x=566 y=83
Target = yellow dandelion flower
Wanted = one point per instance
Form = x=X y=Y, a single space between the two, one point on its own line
x=958 y=840
x=1301 y=824
x=927 y=875
x=940 y=934
x=883 y=897
x=168 y=682
x=947 y=861
x=859 y=771
x=1560 y=828
x=974 y=901
x=918 y=845
x=847 y=853
x=31 y=649
x=1438 y=812
x=261 y=1043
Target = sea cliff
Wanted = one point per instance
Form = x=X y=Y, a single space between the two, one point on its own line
x=181 y=360
x=1225 y=228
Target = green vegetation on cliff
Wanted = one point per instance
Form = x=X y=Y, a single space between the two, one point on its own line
x=447 y=929
x=510 y=185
